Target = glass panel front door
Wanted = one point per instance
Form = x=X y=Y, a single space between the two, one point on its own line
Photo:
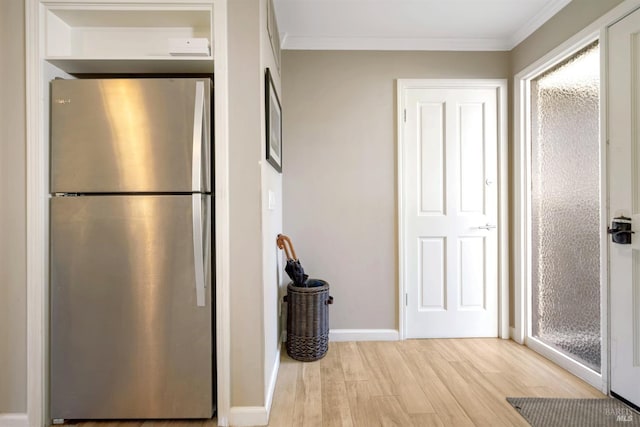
x=565 y=207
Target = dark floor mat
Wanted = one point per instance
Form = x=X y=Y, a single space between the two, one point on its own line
x=545 y=412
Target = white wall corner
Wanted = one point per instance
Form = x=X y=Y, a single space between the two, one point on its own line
x=512 y=333
x=248 y=416
x=14 y=420
x=363 y=335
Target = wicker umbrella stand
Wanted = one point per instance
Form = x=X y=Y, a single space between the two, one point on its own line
x=308 y=320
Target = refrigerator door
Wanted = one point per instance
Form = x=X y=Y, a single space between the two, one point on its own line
x=130 y=135
x=128 y=337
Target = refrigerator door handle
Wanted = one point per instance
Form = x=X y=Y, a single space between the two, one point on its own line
x=198 y=250
x=198 y=118
x=207 y=242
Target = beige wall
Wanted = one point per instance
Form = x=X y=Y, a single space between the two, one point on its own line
x=339 y=156
x=253 y=227
x=272 y=268
x=340 y=159
x=247 y=369
x=13 y=341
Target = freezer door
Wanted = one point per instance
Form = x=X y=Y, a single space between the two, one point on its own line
x=130 y=135
x=129 y=339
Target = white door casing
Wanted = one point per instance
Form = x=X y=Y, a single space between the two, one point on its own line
x=449 y=180
x=624 y=199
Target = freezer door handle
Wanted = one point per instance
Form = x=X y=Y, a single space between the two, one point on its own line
x=198 y=118
x=198 y=249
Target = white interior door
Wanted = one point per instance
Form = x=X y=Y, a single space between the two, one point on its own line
x=450 y=211
x=624 y=199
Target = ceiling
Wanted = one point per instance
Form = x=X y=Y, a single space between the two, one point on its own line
x=410 y=24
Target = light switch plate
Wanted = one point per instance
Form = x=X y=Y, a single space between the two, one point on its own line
x=272 y=200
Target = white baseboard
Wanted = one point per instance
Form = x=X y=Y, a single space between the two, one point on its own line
x=248 y=416
x=272 y=382
x=363 y=335
x=14 y=420
x=257 y=415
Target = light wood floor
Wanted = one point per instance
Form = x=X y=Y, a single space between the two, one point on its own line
x=462 y=382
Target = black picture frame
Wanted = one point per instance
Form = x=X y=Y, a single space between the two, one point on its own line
x=273 y=117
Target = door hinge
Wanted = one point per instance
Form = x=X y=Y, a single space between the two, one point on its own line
x=406 y=299
x=405 y=115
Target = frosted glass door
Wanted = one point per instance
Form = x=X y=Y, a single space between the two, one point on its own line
x=565 y=208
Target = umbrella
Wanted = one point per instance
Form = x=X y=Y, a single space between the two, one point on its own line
x=294 y=268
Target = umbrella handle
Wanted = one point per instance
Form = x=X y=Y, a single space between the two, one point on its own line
x=288 y=247
x=281 y=245
x=293 y=251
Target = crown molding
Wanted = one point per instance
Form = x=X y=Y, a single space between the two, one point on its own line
x=293 y=42
x=537 y=21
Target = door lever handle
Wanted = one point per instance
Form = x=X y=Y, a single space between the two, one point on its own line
x=486 y=227
x=621 y=230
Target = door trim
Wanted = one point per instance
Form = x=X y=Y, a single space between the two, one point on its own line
x=37 y=215
x=503 y=201
x=221 y=211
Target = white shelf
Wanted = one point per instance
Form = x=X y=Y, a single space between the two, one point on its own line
x=133 y=65
x=125 y=38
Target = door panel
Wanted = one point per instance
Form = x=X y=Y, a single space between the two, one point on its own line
x=471 y=255
x=432 y=168
x=127 y=135
x=624 y=199
x=433 y=290
x=471 y=152
x=450 y=212
x=127 y=337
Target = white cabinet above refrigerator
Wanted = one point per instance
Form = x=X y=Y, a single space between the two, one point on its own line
x=127 y=37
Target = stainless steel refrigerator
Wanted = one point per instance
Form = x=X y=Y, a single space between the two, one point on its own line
x=130 y=249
